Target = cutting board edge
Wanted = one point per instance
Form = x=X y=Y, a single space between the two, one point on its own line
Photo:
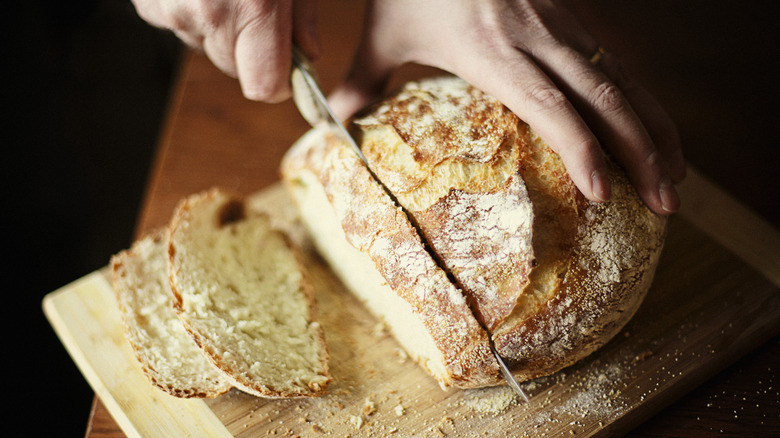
x=188 y=415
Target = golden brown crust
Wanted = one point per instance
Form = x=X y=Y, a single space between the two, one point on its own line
x=551 y=275
x=449 y=154
x=598 y=272
x=375 y=226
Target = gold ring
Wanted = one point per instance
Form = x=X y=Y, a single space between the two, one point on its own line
x=597 y=56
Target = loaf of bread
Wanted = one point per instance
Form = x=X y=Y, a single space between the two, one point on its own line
x=168 y=355
x=499 y=246
x=239 y=289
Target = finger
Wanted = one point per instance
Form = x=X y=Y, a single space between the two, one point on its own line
x=220 y=38
x=305 y=27
x=263 y=51
x=658 y=123
x=612 y=117
x=151 y=12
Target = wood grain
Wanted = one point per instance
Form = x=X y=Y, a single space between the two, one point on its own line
x=706 y=309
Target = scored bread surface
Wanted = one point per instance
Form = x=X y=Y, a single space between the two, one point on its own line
x=550 y=275
x=374 y=249
x=574 y=271
x=241 y=292
x=169 y=357
x=447 y=152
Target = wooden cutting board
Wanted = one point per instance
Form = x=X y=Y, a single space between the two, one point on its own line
x=715 y=298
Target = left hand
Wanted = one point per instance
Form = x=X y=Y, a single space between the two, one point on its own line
x=534 y=56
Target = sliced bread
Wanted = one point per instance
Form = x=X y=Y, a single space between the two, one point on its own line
x=240 y=290
x=169 y=357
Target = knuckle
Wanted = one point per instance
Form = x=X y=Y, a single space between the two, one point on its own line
x=608 y=98
x=546 y=99
x=652 y=159
x=213 y=15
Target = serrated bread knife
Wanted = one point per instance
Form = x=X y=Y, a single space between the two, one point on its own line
x=313 y=106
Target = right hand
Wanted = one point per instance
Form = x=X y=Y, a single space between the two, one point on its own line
x=247 y=39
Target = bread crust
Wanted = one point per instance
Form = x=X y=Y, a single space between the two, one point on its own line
x=550 y=275
x=210 y=213
x=169 y=357
x=448 y=152
x=376 y=227
x=607 y=252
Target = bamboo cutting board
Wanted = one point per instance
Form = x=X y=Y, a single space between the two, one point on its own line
x=715 y=298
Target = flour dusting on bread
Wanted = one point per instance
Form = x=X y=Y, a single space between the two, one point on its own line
x=548 y=274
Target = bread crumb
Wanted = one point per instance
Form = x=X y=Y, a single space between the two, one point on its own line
x=380 y=330
x=490 y=400
x=368 y=408
x=641 y=356
x=401 y=355
x=399 y=410
x=356 y=421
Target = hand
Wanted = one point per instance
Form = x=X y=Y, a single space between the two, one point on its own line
x=247 y=39
x=533 y=56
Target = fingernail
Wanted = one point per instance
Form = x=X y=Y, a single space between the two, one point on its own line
x=600 y=186
x=670 y=201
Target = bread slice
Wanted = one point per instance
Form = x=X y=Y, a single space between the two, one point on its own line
x=169 y=357
x=374 y=249
x=240 y=290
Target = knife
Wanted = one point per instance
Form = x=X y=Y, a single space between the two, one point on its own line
x=311 y=102
x=313 y=106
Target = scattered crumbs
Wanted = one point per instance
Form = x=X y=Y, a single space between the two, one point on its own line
x=446 y=425
x=316 y=428
x=368 y=408
x=399 y=410
x=641 y=356
x=356 y=421
x=490 y=400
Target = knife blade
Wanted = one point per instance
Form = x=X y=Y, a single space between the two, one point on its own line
x=313 y=106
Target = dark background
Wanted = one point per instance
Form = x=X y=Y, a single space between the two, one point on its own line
x=86 y=84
